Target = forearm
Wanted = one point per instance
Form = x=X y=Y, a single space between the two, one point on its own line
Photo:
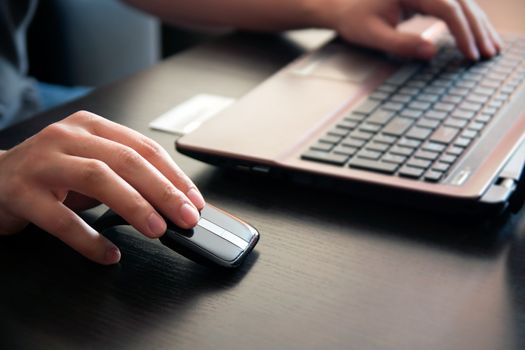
x=245 y=14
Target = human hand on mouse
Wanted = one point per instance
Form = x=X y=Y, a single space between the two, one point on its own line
x=372 y=23
x=84 y=160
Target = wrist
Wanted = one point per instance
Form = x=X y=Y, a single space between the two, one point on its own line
x=323 y=13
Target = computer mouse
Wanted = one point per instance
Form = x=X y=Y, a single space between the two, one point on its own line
x=219 y=239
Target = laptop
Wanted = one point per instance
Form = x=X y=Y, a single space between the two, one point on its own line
x=447 y=134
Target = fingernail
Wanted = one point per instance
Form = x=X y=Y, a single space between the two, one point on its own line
x=491 y=48
x=112 y=255
x=196 y=198
x=425 y=50
x=189 y=214
x=474 y=53
x=156 y=224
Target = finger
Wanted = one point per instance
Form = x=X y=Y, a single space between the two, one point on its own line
x=452 y=13
x=496 y=38
x=383 y=36
x=476 y=19
x=55 y=218
x=146 y=147
x=95 y=179
x=141 y=175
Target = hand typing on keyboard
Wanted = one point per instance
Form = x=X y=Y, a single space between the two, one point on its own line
x=372 y=23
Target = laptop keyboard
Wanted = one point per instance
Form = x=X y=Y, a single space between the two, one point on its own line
x=422 y=119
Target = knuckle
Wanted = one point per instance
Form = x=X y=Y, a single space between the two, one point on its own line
x=137 y=207
x=170 y=194
x=83 y=116
x=56 y=131
x=128 y=158
x=150 y=149
x=94 y=171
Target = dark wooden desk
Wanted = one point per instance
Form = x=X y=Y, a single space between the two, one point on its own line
x=330 y=272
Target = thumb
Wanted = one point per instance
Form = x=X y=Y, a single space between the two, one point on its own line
x=381 y=35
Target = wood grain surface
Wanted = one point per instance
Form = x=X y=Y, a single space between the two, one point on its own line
x=330 y=271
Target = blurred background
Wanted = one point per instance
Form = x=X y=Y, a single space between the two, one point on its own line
x=93 y=42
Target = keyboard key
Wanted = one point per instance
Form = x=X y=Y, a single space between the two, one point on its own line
x=492 y=84
x=441 y=167
x=433 y=176
x=346 y=150
x=379 y=96
x=418 y=133
x=476 y=126
x=393 y=106
x=355 y=117
x=438 y=115
x=401 y=151
x=416 y=84
x=452 y=99
x=467 y=84
x=368 y=127
x=369 y=154
x=361 y=135
x=388 y=88
x=495 y=104
x=401 y=98
x=428 y=98
x=426 y=155
x=380 y=117
x=462 y=114
x=410 y=91
x=482 y=99
x=435 y=90
x=428 y=123
x=448 y=158
x=373 y=165
x=323 y=147
x=470 y=134
x=411 y=113
x=483 y=118
x=338 y=132
x=456 y=123
x=462 y=142
x=402 y=75
x=423 y=106
x=330 y=139
x=444 y=135
x=394 y=158
x=444 y=107
x=353 y=142
x=397 y=126
x=419 y=163
x=469 y=106
x=347 y=124
x=458 y=91
x=484 y=91
x=329 y=158
x=434 y=147
x=376 y=146
x=455 y=151
x=411 y=172
x=410 y=143
x=381 y=138
x=367 y=106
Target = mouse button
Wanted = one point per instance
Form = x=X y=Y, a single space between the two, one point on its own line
x=203 y=242
x=228 y=223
